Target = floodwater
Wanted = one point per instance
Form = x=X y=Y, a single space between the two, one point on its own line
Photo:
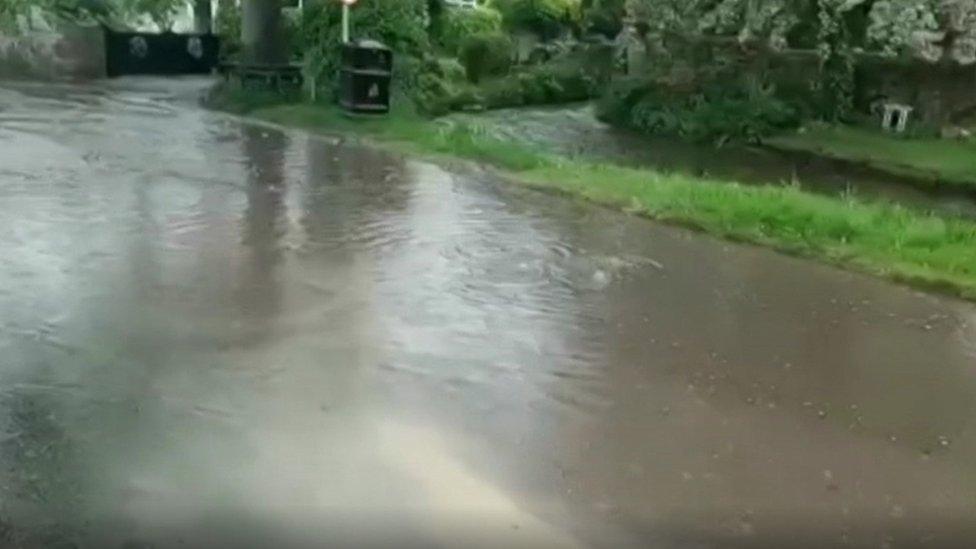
x=217 y=334
x=575 y=131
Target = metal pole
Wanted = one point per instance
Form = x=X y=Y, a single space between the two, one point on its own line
x=345 y=23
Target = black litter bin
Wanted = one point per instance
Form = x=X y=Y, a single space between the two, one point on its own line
x=364 y=79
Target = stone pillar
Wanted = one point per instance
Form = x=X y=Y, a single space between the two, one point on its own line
x=262 y=36
x=202 y=17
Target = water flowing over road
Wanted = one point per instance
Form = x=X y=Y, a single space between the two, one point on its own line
x=219 y=333
x=575 y=131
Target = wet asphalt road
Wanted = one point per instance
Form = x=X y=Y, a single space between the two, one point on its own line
x=220 y=334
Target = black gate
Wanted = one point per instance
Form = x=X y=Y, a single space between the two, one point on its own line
x=167 y=53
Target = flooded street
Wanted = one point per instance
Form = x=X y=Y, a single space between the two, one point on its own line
x=213 y=333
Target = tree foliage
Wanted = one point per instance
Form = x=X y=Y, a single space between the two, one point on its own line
x=16 y=15
x=673 y=27
x=486 y=54
x=748 y=20
x=161 y=12
x=754 y=20
x=400 y=24
x=20 y=14
x=934 y=30
x=458 y=24
x=724 y=107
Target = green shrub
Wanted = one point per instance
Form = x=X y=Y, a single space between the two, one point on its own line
x=467 y=96
x=575 y=77
x=400 y=24
x=546 y=18
x=535 y=87
x=615 y=105
x=547 y=51
x=432 y=95
x=452 y=69
x=554 y=83
x=501 y=93
x=604 y=17
x=458 y=24
x=551 y=83
x=487 y=54
x=439 y=85
x=723 y=110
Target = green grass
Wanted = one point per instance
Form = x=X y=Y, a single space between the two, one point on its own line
x=880 y=239
x=409 y=132
x=884 y=240
x=926 y=158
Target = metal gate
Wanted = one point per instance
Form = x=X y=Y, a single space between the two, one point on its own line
x=166 y=53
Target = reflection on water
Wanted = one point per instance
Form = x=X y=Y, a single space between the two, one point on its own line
x=220 y=333
x=264 y=220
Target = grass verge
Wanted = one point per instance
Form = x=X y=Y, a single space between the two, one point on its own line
x=938 y=161
x=880 y=239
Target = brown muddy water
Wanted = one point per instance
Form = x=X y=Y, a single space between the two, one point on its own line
x=218 y=334
x=575 y=131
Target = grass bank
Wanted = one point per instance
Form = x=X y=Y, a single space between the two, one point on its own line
x=884 y=240
x=933 y=160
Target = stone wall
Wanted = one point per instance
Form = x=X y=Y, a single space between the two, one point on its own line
x=71 y=53
x=940 y=93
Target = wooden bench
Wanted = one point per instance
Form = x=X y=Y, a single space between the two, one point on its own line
x=269 y=77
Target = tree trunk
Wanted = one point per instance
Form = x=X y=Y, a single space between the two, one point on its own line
x=262 y=39
x=202 y=17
